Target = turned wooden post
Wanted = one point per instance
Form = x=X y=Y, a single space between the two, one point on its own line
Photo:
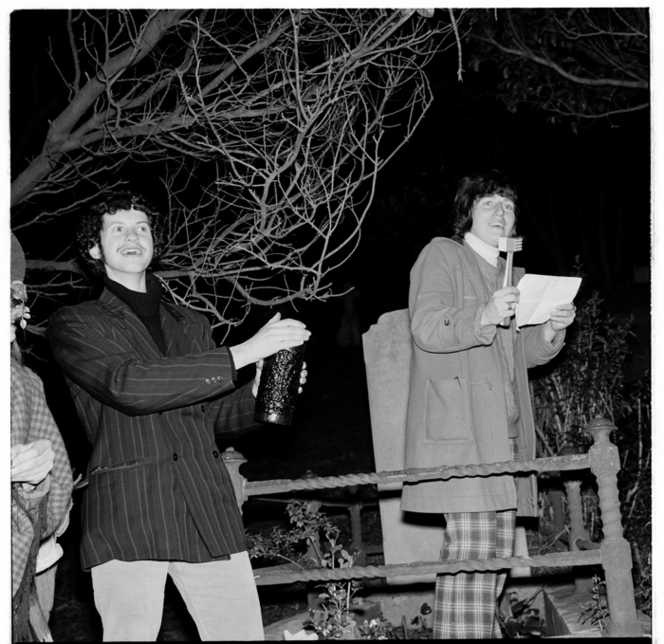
x=357 y=543
x=233 y=460
x=575 y=511
x=582 y=582
x=616 y=553
x=556 y=497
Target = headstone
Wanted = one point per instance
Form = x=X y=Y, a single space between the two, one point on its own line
x=407 y=537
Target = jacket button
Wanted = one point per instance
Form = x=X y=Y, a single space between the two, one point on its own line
x=215 y=454
x=207 y=381
x=175 y=457
x=447 y=322
x=203 y=408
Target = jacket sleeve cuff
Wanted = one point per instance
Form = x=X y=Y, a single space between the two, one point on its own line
x=486 y=333
x=556 y=344
x=232 y=363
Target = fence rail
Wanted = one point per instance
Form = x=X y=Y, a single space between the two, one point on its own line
x=551 y=464
x=554 y=560
x=613 y=553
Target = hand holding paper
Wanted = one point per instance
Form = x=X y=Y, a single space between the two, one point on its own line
x=539 y=294
x=561 y=317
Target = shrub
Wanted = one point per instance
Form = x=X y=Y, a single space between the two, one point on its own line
x=586 y=382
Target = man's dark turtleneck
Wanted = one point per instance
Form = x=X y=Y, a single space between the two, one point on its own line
x=145 y=305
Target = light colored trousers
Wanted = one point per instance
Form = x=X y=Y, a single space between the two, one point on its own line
x=221 y=597
x=45 y=583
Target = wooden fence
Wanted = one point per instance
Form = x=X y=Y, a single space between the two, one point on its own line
x=613 y=553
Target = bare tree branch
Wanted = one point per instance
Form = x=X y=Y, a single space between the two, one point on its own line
x=268 y=128
x=547 y=62
x=579 y=62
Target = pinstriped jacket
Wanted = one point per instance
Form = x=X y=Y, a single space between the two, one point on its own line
x=158 y=488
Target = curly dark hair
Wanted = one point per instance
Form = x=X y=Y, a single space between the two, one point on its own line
x=90 y=224
x=474 y=187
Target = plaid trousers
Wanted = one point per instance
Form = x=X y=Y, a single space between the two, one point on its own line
x=465 y=603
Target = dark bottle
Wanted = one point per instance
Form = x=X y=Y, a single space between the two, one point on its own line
x=278 y=389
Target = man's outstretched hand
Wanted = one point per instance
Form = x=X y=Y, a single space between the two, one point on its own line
x=277 y=334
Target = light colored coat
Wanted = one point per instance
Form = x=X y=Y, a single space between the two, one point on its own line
x=456 y=411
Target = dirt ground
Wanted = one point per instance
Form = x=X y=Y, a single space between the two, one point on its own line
x=330 y=436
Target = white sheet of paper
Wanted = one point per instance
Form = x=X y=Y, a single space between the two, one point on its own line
x=541 y=293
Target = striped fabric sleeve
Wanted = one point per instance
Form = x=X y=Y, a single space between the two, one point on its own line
x=234 y=413
x=104 y=362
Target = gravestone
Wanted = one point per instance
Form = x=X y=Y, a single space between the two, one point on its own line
x=387 y=352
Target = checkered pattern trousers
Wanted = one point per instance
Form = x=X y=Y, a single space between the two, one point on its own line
x=465 y=604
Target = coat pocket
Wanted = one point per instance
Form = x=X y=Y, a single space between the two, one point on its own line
x=447 y=412
x=127 y=465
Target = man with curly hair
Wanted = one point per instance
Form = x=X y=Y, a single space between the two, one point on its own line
x=152 y=390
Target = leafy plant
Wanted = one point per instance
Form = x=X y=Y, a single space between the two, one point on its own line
x=519 y=619
x=420 y=629
x=278 y=543
x=307 y=522
x=382 y=629
x=334 y=618
x=644 y=590
x=596 y=611
x=587 y=383
x=635 y=484
x=378 y=628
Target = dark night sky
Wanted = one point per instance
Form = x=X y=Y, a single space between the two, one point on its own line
x=550 y=165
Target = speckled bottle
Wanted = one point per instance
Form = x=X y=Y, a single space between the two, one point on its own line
x=278 y=389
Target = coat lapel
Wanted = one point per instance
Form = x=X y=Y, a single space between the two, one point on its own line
x=177 y=332
x=176 y=328
x=472 y=269
x=132 y=323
